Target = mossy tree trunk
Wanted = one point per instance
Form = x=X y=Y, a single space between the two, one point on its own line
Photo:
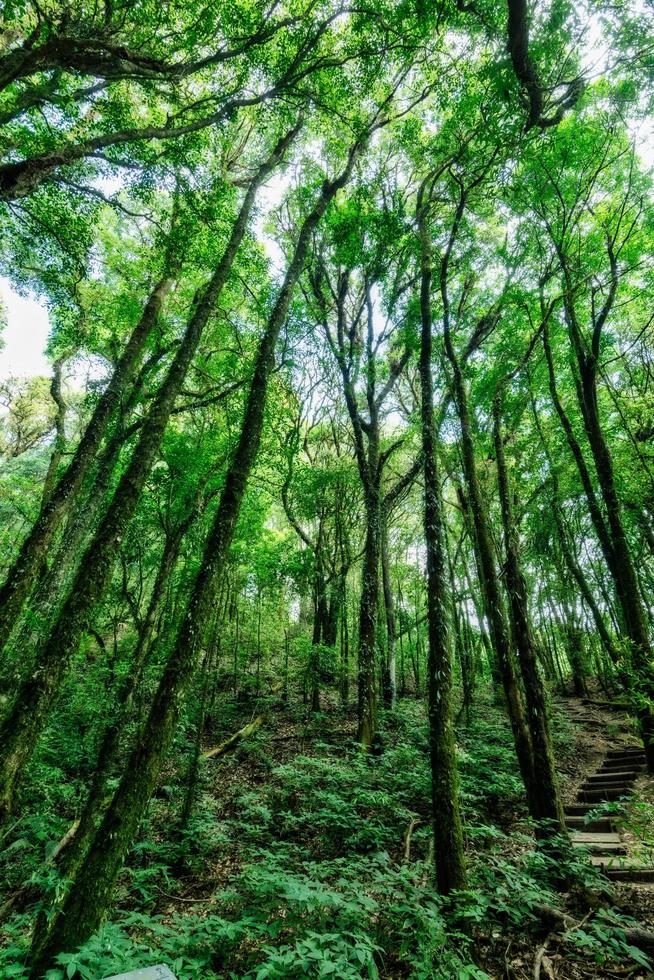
x=609 y=526
x=489 y=580
x=572 y=564
x=24 y=572
x=546 y=795
x=368 y=617
x=59 y=443
x=389 y=672
x=90 y=892
x=23 y=724
x=446 y=814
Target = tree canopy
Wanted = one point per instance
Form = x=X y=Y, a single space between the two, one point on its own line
x=360 y=488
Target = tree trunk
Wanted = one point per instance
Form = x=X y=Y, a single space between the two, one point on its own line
x=591 y=497
x=90 y=892
x=494 y=606
x=546 y=796
x=482 y=619
x=194 y=764
x=575 y=650
x=331 y=617
x=462 y=646
x=368 y=612
x=108 y=755
x=25 y=569
x=446 y=814
x=390 y=673
x=370 y=463
x=345 y=644
x=59 y=444
x=320 y=629
x=625 y=578
x=81 y=522
x=573 y=566
x=610 y=531
x=287 y=644
x=27 y=717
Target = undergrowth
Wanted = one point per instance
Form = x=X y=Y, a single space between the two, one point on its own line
x=331 y=874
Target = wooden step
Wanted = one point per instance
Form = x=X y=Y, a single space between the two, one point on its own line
x=579 y=809
x=627 y=750
x=584 y=836
x=618 y=776
x=603 y=795
x=600 y=848
x=637 y=875
x=625 y=784
x=615 y=765
x=632 y=771
x=622 y=869
x=622 y=765
x=605 y=705
x=601 y=826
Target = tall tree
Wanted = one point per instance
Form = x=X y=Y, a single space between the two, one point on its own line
x=25 y=720
x=90 y=891
x=446 y=816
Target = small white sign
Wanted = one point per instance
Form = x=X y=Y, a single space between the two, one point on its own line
x=160 y=972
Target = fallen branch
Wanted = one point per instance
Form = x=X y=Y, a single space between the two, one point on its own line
x=642 y=938
x=64 y=842
x=191 y=901
x=235 y=739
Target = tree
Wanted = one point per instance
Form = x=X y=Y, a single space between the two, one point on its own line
x=447 y=830
x=91 y=889
x=24 y=722
x=350 y=345
x=587 y=307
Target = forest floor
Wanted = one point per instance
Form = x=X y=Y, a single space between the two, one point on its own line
x=500 y=952
x=305 y=859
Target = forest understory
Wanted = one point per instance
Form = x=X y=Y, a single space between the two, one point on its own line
x=304 y=858
x=327 y=489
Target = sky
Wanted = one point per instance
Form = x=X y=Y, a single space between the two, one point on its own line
x=25 y=336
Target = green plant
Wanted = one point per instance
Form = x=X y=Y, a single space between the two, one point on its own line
x=603 y=938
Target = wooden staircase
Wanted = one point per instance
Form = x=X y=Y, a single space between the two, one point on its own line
x=613 y=781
